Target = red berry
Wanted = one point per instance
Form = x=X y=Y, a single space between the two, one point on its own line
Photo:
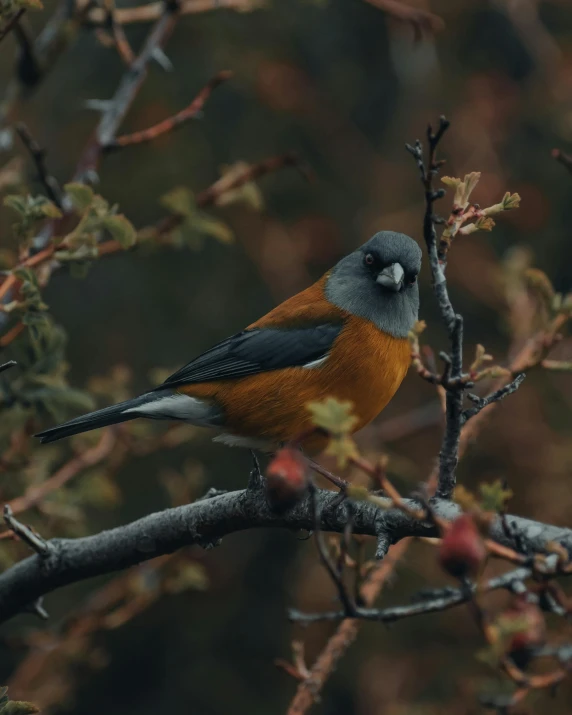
x=286 y=478
x=462 y=550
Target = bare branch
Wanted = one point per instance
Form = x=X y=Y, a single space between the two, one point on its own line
x=496 y=396
x=448 y=598
x=126 y=92
x=193 y=111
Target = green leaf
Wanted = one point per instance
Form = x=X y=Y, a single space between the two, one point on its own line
x=494 y=496
x=179 y=200
x=121 y=230
x=204 y=224
x=15 y=707
x=31 y=209
x=343 y=448
x=332 y=415
x=16 y=202
x=80 y=195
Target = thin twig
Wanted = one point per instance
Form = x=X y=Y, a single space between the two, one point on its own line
x=34 y=494
x=167 y=125
x=439 y=602
x=335 y=575
x=309 y=689
x=49 y=182
x=496 y=396
x=11 y=23
x=119 y=37
x=125 y=94
x=34 y=541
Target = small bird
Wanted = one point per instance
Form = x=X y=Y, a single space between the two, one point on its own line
x=343 y=337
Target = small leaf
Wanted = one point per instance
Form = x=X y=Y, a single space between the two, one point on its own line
x=15 y=707
x=121 y=230
x=332 y=415
x=16 y=202
x=510 y=201
x=539 y=283
x=80 y=195
x=19 y=707
x=204 y=224
x=179 y=200
x=494 y=496
x=463 y=189
x=343 y=448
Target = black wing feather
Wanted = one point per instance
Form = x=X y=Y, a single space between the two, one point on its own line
x=258 y=350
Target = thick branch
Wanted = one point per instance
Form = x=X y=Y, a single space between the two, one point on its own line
x=205 y=522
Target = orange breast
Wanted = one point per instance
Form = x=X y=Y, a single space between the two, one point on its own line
x=364 y=366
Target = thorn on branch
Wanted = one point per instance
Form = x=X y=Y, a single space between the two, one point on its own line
x=34 y=540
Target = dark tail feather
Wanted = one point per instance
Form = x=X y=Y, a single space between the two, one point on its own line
x=100 y=418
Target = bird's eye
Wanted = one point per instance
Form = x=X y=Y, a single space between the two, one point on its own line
x=412 y=279
x=369 y=259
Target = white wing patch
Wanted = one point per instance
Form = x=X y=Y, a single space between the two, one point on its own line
x=234 y=440
x=177 y=407
x=316 y=363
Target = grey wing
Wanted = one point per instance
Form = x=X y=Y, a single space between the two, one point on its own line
x=258 y=350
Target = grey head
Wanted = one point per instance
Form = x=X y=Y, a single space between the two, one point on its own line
x=378 y=282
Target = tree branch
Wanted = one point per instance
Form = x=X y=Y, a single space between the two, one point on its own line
x=192 y=111
x=204 y=522
x=447 y=598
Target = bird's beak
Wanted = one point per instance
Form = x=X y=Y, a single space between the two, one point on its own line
x=391 y=277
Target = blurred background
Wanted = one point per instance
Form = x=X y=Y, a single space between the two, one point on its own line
x=344 y=86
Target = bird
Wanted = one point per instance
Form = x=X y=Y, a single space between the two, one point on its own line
x=345 y=336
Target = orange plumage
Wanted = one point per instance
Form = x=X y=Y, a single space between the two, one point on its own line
x=365 y=366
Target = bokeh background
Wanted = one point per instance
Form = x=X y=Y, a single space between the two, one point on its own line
x=344 y=86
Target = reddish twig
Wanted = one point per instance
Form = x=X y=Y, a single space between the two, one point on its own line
x=167 y=125
x=36 y=493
